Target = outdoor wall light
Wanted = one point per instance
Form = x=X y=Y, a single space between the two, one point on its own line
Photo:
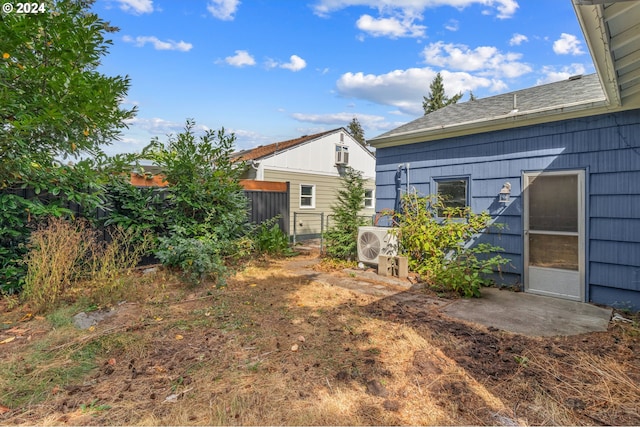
x=505 y=192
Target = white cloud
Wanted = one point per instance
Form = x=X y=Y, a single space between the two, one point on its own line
x=404 y=89
x=487 y=61
x=551 y=74
x=518 y=39
x=158 y=44
x=223 y=9
x=369 y=122
x=452 y=25
x=155 y=126
x=568 y=44
x=295 y=63
x=390 y=27
x=242 y=58
x=246 y=139
x=336 y=119
x=504 y=8
x=136 y=7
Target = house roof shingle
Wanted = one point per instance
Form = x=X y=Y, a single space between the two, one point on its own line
x=552 y=97
x=267 y=150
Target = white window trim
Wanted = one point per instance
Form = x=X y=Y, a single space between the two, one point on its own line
x=373 y=198
x=313 y=196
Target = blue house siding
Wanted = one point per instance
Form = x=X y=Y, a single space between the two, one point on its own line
x=606 y=147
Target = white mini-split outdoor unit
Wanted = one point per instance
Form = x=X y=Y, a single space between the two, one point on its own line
x=375 y=241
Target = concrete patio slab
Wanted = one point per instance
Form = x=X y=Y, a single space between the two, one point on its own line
x=515 y=312
x=529 y=314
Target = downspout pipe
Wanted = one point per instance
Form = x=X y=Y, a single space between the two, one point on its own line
x=406 y=167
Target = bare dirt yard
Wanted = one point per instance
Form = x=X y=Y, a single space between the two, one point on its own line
x=282 y=346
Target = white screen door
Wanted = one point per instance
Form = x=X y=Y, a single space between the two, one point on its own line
x=554 y=234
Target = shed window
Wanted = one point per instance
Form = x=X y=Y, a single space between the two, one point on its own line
x=368 y=198
x=307 y=196
x=453 y=192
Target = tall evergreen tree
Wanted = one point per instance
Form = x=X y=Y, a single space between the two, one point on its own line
x=356 y=131
x=342 y=237
x=437 y=98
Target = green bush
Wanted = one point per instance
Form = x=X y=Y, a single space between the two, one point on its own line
x=198 y=258
x=442 y=249
x=137 y=210
x=205 y=207
x=204 y=195
x=270 y=239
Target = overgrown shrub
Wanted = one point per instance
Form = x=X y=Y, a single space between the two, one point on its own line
x=55 y=106
x=197 y=258
x=205 y=207
x=204 y=192
x=14 y=234
x=442 y=249
x=136 y=209
x=269 y=239
x=342 y=237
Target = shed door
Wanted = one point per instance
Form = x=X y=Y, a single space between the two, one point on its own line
x=554 y=234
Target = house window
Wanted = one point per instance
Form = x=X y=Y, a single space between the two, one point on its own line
x=307 y=196
x=342 y=155
x=453 y=193
x=368 y=199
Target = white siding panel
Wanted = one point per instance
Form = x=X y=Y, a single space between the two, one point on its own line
x=318 y=156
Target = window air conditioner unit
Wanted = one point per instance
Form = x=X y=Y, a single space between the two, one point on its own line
x=375 y=241
x=342 y=157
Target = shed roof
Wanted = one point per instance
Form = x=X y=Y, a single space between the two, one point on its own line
x=271 y=149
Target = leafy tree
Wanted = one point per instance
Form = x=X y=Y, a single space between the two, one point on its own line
x=356 y=131
x=437 y=98
x=342 y=238
x=472 y=97
x=54 y=105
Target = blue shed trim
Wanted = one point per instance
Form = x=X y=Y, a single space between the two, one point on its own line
x=606 y=147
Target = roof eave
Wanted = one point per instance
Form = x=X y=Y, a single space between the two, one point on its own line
x=594 y=28
x=508 y=121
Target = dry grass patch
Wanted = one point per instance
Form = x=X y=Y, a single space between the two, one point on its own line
x=281 y=346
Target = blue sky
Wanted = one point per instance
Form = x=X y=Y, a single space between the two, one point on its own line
x=272 y=70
